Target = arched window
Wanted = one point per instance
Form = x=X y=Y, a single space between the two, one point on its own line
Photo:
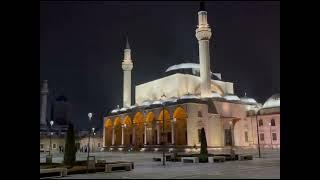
x=260 y=122
x=273 y=122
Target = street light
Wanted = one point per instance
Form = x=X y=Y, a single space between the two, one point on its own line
x=51 y=124
x=270 y=135
x=90 y=116
x=93 y=145
x=163 y=138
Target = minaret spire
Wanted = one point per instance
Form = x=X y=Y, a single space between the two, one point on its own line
x=127 y=44
x=203 y=34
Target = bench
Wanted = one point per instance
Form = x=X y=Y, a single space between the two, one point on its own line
x=245 y=157
x=61 y=172
x=118 y=166
x=168 y=158
x=216 y=159
x=189 y=159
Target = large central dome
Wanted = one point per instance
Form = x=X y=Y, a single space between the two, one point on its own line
x=189 y=68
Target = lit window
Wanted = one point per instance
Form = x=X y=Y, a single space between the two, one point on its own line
x=246 y=136
x=261 y=137
x=199 y=114
x=54 y=146
x=260 y=122
x=41 y=146
x=273 y=122
x=274 y=136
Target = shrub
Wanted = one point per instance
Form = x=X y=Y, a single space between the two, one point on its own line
x=70 y=147
x=203 y=157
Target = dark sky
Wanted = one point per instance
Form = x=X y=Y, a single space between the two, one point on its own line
x=81 y=47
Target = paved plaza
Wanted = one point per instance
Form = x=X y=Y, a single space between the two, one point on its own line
x=145 y=168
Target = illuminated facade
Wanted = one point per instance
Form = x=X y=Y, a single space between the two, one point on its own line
x=172 y=110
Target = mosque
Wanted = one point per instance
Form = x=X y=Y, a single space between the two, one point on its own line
x=173 y=109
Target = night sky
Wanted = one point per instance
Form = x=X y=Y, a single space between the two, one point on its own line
x=81 y=47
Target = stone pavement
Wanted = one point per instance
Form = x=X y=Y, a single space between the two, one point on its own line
x=145 y=168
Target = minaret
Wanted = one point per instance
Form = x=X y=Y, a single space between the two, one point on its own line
x=203 y=34
x=127 y=66
x=44 y=95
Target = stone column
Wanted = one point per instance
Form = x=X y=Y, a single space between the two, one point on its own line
x=133 y=134
x=112 y=136
x=145 y=133
x=158 y=132
x=172 y=131
x=122 y=135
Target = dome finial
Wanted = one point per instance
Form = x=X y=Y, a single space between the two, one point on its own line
x=202 y=6
x=127 y=43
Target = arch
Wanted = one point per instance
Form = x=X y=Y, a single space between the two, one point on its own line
x=138 y=118
x=108 y=132
x=127 y=130
x=117 y=131
x=180 y=126
x=179 y=113
x=151 y=125
x=150 y=117
x=166 y=115
x=117 y=122
x=139 y=129
x=108 y=123
x=127 y=121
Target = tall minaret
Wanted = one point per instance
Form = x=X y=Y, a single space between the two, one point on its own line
x=127 y=66
x=43 y=111
x=203 y=34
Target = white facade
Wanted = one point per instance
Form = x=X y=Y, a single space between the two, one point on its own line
x=177 y=85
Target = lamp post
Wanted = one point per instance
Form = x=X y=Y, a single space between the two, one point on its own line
x=163 y=138
x=258 y=132
x=90 y=116
x=270 y=135
x=51 y=124
x=93 y=145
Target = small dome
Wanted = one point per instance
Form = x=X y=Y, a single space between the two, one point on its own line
x=146 y=103
x=273 y=101
x=115 y=111
x=172 y=99
x=248 y=100
x=214 y=94
x=157 y=102
x=231 y=97
x=123 y=109
x=189 y=96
